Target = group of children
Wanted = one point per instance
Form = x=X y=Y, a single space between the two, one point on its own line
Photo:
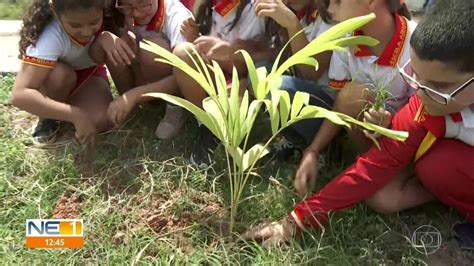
x=425 y=72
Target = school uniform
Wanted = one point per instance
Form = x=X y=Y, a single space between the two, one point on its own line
x=320 y=94
x=439 y=147
x=249 y=26
x=362 y=66
x=166 y=23
x=56 y=45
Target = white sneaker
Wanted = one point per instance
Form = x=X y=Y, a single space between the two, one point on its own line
x=171 y=124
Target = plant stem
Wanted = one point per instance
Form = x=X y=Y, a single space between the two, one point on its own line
x=244 y=181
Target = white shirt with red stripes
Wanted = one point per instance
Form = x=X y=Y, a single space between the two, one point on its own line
x=249 y=26
x=377 y=71
x=166 y=22
x=53 y=45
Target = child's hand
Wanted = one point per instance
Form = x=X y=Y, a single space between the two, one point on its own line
x=85 y=129
x=277 y=10
x=120 y=107
x=307 y=172
x=190 y=30
x=274 y=233
x=214 y=48
x=116 y=50
x=379 y=117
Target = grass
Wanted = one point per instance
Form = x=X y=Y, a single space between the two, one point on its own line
x=13 y=9
x=143 y=203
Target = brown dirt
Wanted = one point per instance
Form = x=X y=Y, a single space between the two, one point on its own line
x=451 y=254
x=67 y=207
x=157 y=214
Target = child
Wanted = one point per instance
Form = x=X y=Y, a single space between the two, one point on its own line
x=57 y=80
x=158 y=21
x=230 y=25
x=362 y=74
x=292 y=18
x=440 y=121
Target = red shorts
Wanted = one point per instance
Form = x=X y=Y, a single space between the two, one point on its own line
x=85 y=74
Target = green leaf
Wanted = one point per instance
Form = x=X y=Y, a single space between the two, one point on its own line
x=310 y=61
x=285 y=105
x=254 y=154
x=354 y=41
x=252 y=113
x=299 y=100
x=345 y=27
x=178 y=63
x=205 y=118
x=221 y=84
x=212 y=108
x=237 y=154
x=262 y=91
x=244 y=108
x=252 y=72
x=274 y=82
x=309 y=112
x=272 y=107
x=331 y=40
x=234 y=116
x=280 y=54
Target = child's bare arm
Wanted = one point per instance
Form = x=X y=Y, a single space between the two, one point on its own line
x=26 y=95
x=122 y=105
x=109 y=46
x=279 y=12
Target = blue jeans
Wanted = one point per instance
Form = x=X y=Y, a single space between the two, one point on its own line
x=319 y=96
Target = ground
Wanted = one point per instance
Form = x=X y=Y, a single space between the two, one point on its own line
x=142 y=201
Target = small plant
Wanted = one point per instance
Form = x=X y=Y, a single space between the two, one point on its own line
x=380 y=89
x=231 y=119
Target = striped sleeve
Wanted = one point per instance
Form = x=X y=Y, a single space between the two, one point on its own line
x=47 y=50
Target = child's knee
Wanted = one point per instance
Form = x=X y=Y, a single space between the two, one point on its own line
x=62 y=79
x=162 y=42
x=183 y=50
x=383 y=202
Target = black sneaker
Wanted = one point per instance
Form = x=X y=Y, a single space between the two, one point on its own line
x=203 y=148
x=45 y=131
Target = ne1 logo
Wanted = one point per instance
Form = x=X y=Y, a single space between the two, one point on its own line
x=54 y=233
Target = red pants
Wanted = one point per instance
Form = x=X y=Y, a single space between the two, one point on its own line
x=446 y=171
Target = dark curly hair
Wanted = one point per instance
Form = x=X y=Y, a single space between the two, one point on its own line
x=39 y=14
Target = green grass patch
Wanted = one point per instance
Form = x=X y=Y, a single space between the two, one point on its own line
x=13 y=9
x=142 y=202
